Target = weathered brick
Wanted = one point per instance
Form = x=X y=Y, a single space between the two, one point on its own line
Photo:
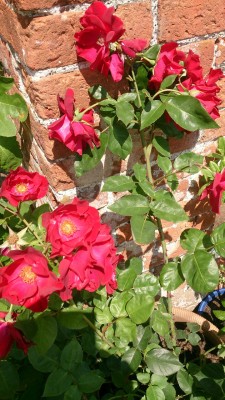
x=185 y=19
x=213 y=134
x=28 y=5
x=48 y=41
x=220 y=52
x=43 y=92
x=60 y=175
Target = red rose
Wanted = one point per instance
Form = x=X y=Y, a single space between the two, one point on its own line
x=91 y=267
x=27 y=281
x=169 y=62
x=8 y=335
x=205 y=90
x=214 y=191
x=76 y=135
x=70 y=226
x=99 y=42
x=21 y=185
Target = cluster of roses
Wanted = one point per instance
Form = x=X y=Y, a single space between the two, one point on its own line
x=99 y=43
x=77 y=236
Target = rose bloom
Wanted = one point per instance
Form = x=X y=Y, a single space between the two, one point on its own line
x=99 y=41
x=91 y=266
x=10 y=334
x=27 y=281
x=70 y=225
x=21 y=185
x=214 y=191
x=172 y=61
x=75 y=135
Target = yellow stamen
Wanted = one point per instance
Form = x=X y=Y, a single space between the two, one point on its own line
x=27 y=275
x=67 y=227
x=21 y=188
x=13 y=239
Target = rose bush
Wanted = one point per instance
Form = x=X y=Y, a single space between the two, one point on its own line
x=77 y=321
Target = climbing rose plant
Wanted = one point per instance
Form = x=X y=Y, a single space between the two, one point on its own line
x=77 y=319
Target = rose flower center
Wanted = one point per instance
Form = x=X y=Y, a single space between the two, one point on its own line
x=21 y=188
x=13 y=239
x=27 y=275
x=67 y=227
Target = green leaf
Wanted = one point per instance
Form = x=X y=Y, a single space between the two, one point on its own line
x=218 y=239
x=171 y=276
x=139 y=172
x=9 y=380
x=146 y=283
x=161 y=145
x=127 y=97
x=103 y=316
x=200 y=271
x=219 y=314
x=165 y=164
x=142 y=338
x=10 y=153
x=98 y=92
x=162 y=362
x=152 y=52
x=188 y=113
x=170 y=392
x=44 y=362
x=151 y=113
x=90 y=382
x=13 y=105
x=7 y=127
x=5 y=84
x=193 y=239
x=124 y=112
x=140 y=307
x=57 y=383
x=91 y=157
x=125 y=329
x=72 y=317
x=73 y=393
x=188 y=162
x=168 y=81
x=172 y=181
x=143 y=230
x=126 y=279
x=118 y=183
x=118 y=304
x=46 y=333
x=71 y=354
x=185 y=381
x=159 y=322
x=132 y=359
x=221 y=145
x=130 y=205
x=154 y=393
x=193 y=338
x=120 y=142
x=167 y=208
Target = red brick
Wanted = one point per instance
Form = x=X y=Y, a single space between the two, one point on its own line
x=59 y=175
x=213 y=134
x=48 y=41
x=43 y=93
x=185 y=19
x=28 y=5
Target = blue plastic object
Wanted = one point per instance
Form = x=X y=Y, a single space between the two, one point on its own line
x=207 y=299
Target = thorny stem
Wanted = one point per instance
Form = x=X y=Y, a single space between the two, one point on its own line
x=99 y=333
x=165 y=90
x=136 y=87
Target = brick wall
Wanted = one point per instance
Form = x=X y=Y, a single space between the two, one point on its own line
x=37 y=49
